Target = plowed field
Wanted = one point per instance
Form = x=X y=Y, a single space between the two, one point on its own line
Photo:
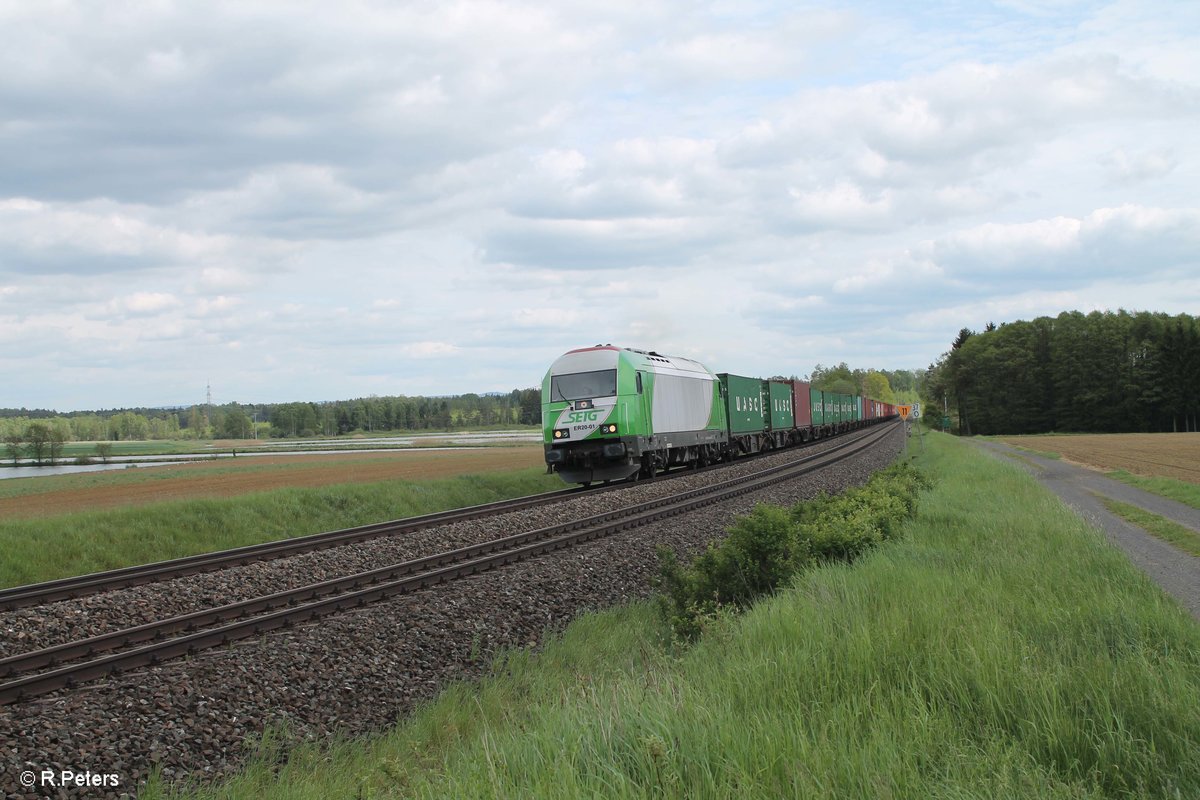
x=69 y=493
x=1172 y=455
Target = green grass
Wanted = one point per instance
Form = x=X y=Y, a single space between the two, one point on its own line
x=19 y=487
x=1000 y=648
x=73 y=544
x=1181 y=536
x=134 y=448
x=1177 y=490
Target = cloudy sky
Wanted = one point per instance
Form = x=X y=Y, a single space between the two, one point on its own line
x=314 y=201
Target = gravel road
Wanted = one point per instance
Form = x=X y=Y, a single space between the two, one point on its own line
x=1177 y=572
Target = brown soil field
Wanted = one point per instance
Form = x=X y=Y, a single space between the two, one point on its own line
x=262 y=473
x=1170 y=455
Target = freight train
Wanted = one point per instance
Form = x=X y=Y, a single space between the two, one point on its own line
x=613 y=413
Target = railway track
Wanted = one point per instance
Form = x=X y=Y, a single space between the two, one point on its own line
x=96 y=582
x=190 y=633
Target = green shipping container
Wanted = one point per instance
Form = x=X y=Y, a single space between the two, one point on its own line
x=744 y=403
x=843 y=408
x=783 y=416
x=818 y=406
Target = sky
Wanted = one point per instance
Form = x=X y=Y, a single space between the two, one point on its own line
x=317 y=201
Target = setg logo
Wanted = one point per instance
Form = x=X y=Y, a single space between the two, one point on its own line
x=581 y=420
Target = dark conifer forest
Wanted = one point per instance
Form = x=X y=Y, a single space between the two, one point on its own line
x=1101 y=372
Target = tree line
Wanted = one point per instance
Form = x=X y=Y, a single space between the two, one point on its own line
x=375 y=414
x=1101 y=372
x=23 y=427
x=886 y=386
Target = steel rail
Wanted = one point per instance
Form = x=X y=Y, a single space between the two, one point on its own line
x=381 y=583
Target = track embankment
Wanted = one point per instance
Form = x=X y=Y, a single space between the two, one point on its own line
x=357 y=671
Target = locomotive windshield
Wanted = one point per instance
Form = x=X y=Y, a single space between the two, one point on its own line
x=583 y=385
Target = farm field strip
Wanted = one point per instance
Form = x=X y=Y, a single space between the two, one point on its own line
x=39 y=497
x=1172 y=455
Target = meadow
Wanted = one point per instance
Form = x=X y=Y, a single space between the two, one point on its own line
x=997 y=647
x=144 y=515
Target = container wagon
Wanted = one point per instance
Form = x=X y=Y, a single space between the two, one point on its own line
x=747 y=409
x=782 y=417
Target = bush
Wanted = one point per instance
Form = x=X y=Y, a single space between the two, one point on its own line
x=772 y=544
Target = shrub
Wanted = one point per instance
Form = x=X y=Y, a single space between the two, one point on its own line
x=771 y=544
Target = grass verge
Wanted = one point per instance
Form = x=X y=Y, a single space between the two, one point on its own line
x=33 y=550
x=1181 y=536
x=1177 y=490
x=998 y=648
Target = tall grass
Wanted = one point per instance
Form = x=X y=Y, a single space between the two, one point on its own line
x=1177 y=490
x=73 y=544
x=999 y=648
x=1181 y=536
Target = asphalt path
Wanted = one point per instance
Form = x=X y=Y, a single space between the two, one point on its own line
x=1177 y=572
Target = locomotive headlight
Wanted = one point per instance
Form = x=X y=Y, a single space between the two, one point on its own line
x=562 y=433
x=608 y=428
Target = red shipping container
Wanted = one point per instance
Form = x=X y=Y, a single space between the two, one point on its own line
x=802 y=403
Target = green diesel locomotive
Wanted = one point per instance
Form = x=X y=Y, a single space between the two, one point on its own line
x=609 y=413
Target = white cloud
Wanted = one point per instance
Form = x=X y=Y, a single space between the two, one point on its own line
x=429 y=349
x=146 y=303
x=1127 y=239
x=1126 y=167
x=100 y=236
x=331 y=190
x=545 y=317
x=843 y=205
x=216 y=306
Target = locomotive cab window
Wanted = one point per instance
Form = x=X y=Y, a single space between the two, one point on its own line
x=584 y=385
